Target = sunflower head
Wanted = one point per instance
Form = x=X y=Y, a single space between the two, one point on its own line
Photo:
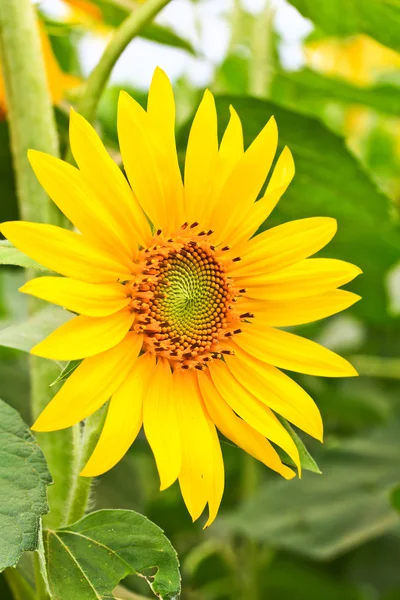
x=179 y=306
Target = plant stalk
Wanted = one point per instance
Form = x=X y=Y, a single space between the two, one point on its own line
x=85 y=442
x=126 y=32
x=32 y=125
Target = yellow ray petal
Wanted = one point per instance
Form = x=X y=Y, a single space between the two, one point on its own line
x=136 y=140
x=306 y=278
x=218 y=477
x=85 y=336
x=201 y=160
x=69 y=191
x=90 y=299
x=111 y=191
x=292 y=352
x=230 y=153
x=298 y=311
x=282 y=246
x=64 y=251
x=255 y=413
x=161 y=112
x=90 y=386
x=197 y=473
x=275 y=389
x=237 y=430
x=161 y=424
x=282 y=175
x=244 y=183
x=124 y=419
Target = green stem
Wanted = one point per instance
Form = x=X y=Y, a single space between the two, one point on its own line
x=32 y=125
x=41 y=592
x=125 y=33
x=85 y=443
x=30 y=114
x=260 y=67
x=20 y=588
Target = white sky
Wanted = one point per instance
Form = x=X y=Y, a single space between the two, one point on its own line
x=205 y=24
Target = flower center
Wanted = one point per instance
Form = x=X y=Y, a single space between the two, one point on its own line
x=183 y=301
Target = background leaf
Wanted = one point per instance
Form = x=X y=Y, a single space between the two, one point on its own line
x=24 y=477
x=23 y=336
x=324 y=516
x=379 y=19
x=88 y=559
x=9 y=255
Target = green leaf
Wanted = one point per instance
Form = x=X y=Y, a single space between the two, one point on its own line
x=325 y=516
x=87 y=560
x=379 y=19
x=395 y=498
x=166 y=36
x=306 y=91
x=306 y=460
x=9 y=255
x=329 y=181
x=66 y=371
x=24 y=476
x=114 y=13
x=23 y=336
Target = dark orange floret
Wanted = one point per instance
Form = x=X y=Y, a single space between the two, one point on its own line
x=183 y=299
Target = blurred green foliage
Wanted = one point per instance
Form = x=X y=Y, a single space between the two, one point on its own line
x=329 y=536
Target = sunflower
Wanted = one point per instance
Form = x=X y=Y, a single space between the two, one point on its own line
x=178 y=304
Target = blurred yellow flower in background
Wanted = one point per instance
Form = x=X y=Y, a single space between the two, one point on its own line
x=358 y=59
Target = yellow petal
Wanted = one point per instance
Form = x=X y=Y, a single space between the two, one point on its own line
x=255 y=413
x=218 y=477
x=124 y=419
x=244 y=183
x=161 y=424
x=136 y=139
x=111 y=191
x=237 y=430
x=85 y=336
x=282 y=246
x=292 y=352
x=306 y=278
x=90 y=299
x=90 y=386
x=298 y=311
x=63 y=251
x=161 y=112
x=275 y=389
x=281 y=177
x=201 y=160
x=197 y=473
x=70 y=192
x=230 y=153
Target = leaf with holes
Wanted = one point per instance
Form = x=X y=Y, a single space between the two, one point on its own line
x=24 y=476
x=88 y=559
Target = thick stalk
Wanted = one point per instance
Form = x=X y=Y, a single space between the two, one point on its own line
x=261 y=65
x=32 y=125
x=41 y=592
x=85 y=442
x=129 y=29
